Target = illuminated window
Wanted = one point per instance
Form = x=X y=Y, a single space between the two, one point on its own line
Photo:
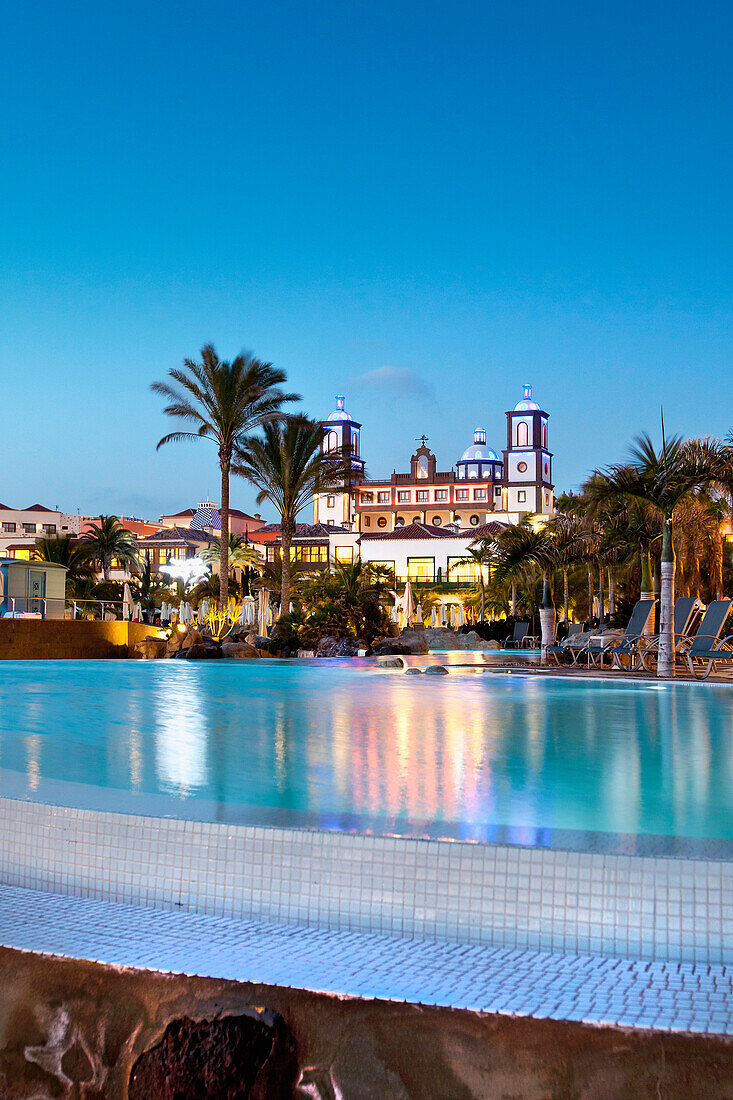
x=522 y=434
x=22 y=555
x=441 y=494
x=479 y=494
x=344 y=554
x=332 y=441
x=521 y=496
x=466 y=572
x=403 y=496
x=270 y=553
x=383 y=498
x=330 y=502
x=355 y=443
x=9 y=528
x=422 y=496
x=367 y=521
x=366 y=498
x=381 y=522
x=544 y=433
x=461 y=494
x=383 y=565
x=422 y=466
x=420 y=569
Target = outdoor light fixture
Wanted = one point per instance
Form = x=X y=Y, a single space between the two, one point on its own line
x=189 y=570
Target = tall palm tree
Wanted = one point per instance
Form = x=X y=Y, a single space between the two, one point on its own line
x=288 y=466
x=663 y=479
x=480 y=555
x=521 y=552
x=64 y=550
x=106 y=541
x=567 y=532
x=225 y=401
x=242 y=555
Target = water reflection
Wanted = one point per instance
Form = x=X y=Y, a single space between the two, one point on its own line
x=342 y=747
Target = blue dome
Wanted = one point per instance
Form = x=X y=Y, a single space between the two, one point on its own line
x=339 y=413
x=526 y=404
x=477 y=452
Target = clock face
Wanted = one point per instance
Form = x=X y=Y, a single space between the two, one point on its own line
x=522 y=467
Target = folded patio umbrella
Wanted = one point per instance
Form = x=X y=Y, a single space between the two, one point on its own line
x=433 y=618
x=127 y=608
x=408 y=606
x=418 y=614
x=264 y=603
x=443 y=615
x=461 y=615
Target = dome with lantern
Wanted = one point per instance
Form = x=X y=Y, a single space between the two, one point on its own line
x=339 y=413
x=526 y=404
x=478 y=460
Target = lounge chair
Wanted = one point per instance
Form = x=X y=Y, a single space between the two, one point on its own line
x=648 y=648
x=516 y=640
x=600 y=646
x=705 y=646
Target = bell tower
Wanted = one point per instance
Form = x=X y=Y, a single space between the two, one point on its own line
x=342 y=442
x=527 y=459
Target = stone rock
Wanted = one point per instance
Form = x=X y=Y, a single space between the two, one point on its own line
x=327 y=646
x=194 y=637
x=174 y=644
x=414 y=640
x=151 y=647
x=436 y=670
x=202 y=652
x=391 y=649
x=394 y=630
x=234 y=1057
x=413 y=672
x=390 y=662
x=239 y=650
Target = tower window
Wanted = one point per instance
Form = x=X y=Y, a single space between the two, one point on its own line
x=422 y=496
x=367 y=521
x=383 y=498
x=522 y=434
x=522 y=496
x=330 y=502
x=441 y=494
x=404 y=496
x=461 y=494
x=422 y=466
x=479 y=494
x=544 y=433
x=366 y=498
x=332 y=441
x=522 y=467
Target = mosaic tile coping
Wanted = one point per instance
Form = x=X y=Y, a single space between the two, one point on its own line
x=665 y=909
x=680 y=997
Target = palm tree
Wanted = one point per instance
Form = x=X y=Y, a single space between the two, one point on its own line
x=288 y=467
x=663 y=479
x=480 y=555
x=242 y=555
x=225 y=401
x=569 y=542
x=106 y=541
x=519 y=553
x=64 y=550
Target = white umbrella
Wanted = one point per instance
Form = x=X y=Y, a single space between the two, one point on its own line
x=264 y=603
x=127 y=608
x=395 y=616
x=443 y=615
x=461 y=616
x=249 y=610
x=408 y=606
x=452 y=616
x=164 y=613
x=418 y=614
x=433 y=618
x=138 y=610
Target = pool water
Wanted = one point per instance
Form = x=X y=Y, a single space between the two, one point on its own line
x=344 y=745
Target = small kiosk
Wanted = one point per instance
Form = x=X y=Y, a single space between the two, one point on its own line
x=32 y=589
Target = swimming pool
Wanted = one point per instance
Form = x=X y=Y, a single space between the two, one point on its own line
x=590 y=765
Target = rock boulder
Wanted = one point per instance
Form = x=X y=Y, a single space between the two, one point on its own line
x=239 y=650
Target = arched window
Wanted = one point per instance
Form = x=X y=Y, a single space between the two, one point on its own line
x=544 y=433
x=355 y=443
x=522 y=434
x=332 y=441
x=422 y=466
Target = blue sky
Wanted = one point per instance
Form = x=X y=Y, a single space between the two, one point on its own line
x=420 y=205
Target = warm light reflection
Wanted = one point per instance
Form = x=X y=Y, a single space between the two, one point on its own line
x=180 y=732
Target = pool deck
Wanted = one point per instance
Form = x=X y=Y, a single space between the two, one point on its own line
x=680 y=997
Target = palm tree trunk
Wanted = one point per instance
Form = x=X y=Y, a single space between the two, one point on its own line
x=590 y=595
x=547 y=617
x=513 y=607
x=286 y=538
x=665 y=663
x=483 y=593
x=611 y=594
x=600 y=596
x=565 y=597
x=224 y=555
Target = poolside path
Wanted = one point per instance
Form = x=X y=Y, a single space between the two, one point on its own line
x=590 y=989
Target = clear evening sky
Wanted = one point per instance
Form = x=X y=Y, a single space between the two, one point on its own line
x=421 y=205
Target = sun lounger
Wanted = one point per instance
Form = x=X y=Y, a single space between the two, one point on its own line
x=706 y=647
x=600 y=646
x=648 y=647
x=516 y=640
